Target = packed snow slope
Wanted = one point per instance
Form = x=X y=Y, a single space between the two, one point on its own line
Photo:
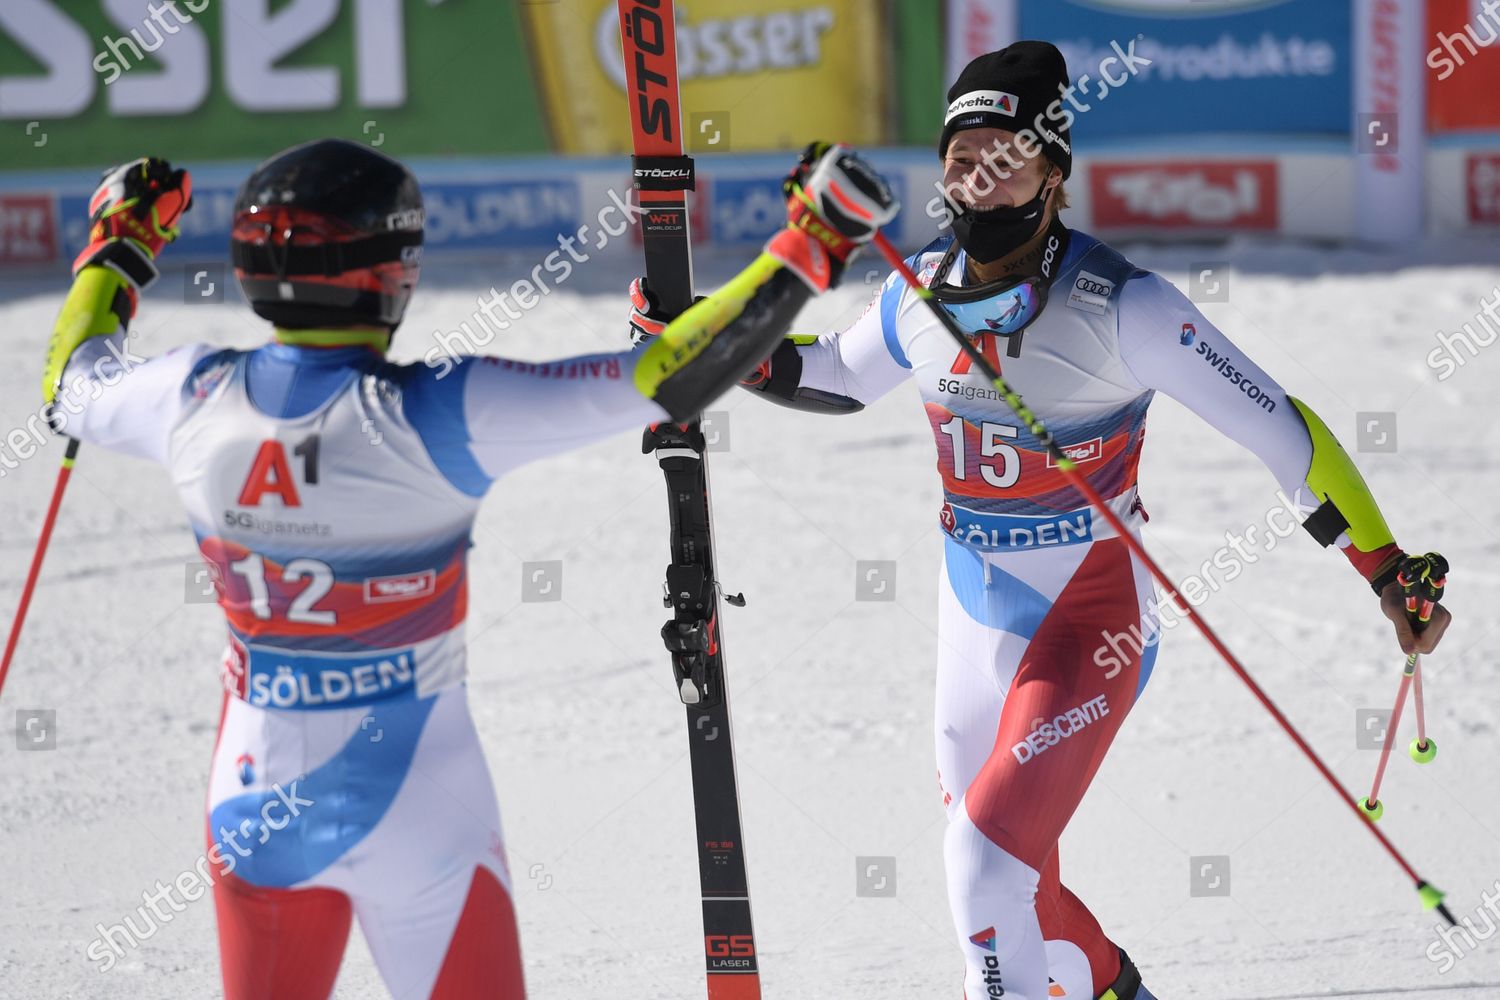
x=832 y=696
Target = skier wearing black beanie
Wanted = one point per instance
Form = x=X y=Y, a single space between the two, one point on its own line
x=1008 y=118
x=1048 y=628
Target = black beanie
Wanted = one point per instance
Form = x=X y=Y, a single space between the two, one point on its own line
x=1012 y=89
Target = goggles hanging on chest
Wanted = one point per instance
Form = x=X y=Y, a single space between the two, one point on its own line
x=1005 y=306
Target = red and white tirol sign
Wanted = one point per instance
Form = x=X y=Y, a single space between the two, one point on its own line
x=1086 y=451
x=1218 y=195
x=406 y=587
x=27 y=232
x=1483 y=173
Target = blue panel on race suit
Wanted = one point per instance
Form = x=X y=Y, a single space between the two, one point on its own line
x=289 y=382
x=1148 y=661
x=344 y=798
x=434 y=405
x=1007 y=603
x=890 y=301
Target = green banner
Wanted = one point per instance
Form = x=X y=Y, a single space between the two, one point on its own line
x=236 y=79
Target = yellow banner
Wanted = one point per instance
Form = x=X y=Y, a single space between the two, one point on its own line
x=755 y=74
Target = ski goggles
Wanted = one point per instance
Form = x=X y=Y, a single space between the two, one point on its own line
x=1004 y=307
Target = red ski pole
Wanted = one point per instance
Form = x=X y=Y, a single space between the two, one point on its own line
x=1422 y=579
x=63 y=475
x=1432 y=899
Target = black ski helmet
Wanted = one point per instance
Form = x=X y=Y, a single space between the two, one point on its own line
x=328 y=233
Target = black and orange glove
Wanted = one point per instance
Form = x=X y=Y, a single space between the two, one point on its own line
x=133 y=213
x=839 y=200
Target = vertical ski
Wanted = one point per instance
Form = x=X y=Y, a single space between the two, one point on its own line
x=663 y=176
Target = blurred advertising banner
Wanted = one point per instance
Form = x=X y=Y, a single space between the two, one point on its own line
x=756 y=74
x=1464 y=59
x=1230 y=66
x=91 y=82
x=1144 y=68
x=974 y=28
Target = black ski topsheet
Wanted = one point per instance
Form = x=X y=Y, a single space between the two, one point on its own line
x=663 y=175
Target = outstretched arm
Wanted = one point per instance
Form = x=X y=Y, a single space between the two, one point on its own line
x=513 y=412
x=833 y=373
x=1168 y=345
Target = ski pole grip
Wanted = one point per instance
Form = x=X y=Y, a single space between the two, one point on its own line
x=1422 y=579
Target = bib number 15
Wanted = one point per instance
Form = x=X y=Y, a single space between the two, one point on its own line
x=992 y=450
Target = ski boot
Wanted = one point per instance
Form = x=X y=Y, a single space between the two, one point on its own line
x=1127 y=985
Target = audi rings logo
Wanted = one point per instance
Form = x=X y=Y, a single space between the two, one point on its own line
x=1090 y=293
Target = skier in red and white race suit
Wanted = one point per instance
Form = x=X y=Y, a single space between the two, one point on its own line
x=333 y=492
x=1048 y=627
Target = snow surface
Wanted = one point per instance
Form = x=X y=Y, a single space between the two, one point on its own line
x=832 y=697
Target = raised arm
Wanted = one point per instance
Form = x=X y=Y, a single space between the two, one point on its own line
x=1168 y=345
x=507 y=413
x=838 y=372
x=97 y=390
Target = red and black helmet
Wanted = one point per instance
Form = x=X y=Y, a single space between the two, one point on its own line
x=328 y=233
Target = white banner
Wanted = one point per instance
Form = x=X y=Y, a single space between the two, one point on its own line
x=1389 y=120
x=974 y=28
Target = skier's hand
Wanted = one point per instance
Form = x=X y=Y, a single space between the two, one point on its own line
x=1393 y=605
x=647 y=320
x=838 y=198
x=133 y=214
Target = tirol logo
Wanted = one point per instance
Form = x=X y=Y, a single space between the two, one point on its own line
x=234 y=669
x=27 y=232
x=405 y=587
x=1484 y=189
x=1189 y=334
x=1215 y=195
x=995 y=102
x=1088 y=451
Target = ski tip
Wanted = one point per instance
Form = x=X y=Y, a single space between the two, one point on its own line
x=1432 y=899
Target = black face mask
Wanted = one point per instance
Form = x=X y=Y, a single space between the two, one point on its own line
x=987 y=234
